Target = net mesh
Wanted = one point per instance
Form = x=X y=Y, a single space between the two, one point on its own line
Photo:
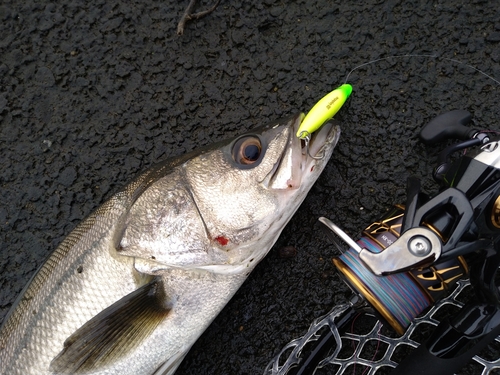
x=369 y=348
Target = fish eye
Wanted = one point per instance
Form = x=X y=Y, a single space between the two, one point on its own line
x=247 y=150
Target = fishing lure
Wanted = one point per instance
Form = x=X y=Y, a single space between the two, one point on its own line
x=324 y=110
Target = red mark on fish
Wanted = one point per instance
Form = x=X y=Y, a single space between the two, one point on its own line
x=222 y=240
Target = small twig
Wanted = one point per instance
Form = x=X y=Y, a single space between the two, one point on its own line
x=187 y=16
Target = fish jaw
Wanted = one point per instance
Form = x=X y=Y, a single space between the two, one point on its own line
x=298 y=157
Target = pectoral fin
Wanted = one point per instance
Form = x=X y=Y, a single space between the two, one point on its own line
x=113 y=332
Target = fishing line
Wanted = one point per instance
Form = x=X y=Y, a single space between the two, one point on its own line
x=428 y=56
x=374 y=354
x=330 y=104
x=396 y=297
x=400 y=297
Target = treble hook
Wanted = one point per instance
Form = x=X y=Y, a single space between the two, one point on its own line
x=306 y=137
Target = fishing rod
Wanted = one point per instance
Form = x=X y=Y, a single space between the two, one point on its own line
x=414 y=257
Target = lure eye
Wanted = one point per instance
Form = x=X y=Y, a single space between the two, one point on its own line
x=247 y=150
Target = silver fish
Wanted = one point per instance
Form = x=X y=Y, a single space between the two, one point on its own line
x=136 y=283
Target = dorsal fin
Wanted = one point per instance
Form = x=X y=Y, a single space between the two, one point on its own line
x=114 y=332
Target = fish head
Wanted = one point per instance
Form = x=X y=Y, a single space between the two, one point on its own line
x=248 y=189
x=221 y=208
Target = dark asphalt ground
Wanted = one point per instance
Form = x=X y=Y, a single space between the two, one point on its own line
x=92 y=92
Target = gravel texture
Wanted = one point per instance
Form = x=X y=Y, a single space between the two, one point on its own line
x=92 y=92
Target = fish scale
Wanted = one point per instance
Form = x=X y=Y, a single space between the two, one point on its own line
x=51 y=301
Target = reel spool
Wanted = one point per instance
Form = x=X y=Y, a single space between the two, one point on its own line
x=400 y=297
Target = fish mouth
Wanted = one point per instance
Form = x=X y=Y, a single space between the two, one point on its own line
x=300 y=157
x=319 y=143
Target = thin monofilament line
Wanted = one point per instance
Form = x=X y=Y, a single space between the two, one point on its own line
x=426 y=56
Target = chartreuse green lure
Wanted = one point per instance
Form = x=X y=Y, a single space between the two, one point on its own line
x=324 y=110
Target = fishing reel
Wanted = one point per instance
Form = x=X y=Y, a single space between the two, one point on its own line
x=414 y=256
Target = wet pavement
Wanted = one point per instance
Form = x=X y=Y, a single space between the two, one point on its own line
x=93 y=92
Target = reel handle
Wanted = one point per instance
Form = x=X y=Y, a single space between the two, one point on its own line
x=448 y=125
